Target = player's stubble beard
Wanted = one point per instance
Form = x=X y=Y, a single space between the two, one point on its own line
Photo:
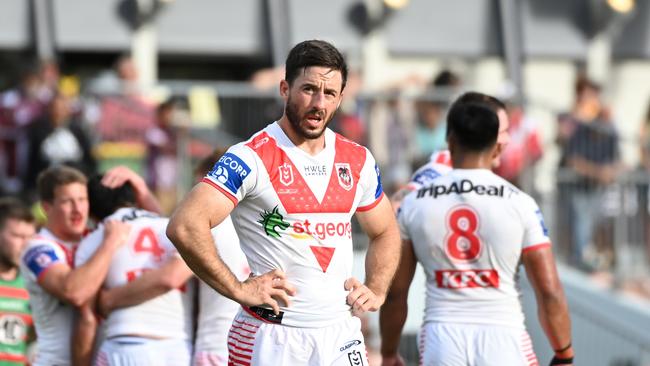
x=291 y=111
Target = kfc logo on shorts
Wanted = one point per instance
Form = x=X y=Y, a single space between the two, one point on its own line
x=344 y=175
x=459 y=279
x=286 y=174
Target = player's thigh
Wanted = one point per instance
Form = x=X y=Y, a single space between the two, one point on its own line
x=341 y=344
x=504 y=346
x=442 y=344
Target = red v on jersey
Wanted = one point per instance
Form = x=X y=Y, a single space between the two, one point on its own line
x=295 y=194
x=292 y=190
x=323 y=255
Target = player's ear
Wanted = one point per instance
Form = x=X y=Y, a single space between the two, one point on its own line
x=497 y=149
x=284 y=89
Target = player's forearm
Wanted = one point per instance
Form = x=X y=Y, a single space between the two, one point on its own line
x=150 y=284
x=382 y=259
x=554 y=318
x=392 y=317
x=84 y=281
x=195 y=244
x=83 y=337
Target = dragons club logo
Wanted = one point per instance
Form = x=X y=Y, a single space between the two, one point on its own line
x=271 y=221
x=344 y=174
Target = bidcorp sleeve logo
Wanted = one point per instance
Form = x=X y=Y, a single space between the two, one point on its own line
x=230 y=171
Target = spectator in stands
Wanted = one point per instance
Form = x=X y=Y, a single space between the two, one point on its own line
x=430 y=132
x=125 y=114
x=19 y=107
x=644 y=191
x=161 y=160
x=58 y=138
x=591 y=154
x=149 y=318
x=17 y=226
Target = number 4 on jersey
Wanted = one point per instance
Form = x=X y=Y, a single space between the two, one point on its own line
x=462 y=243
x=147 y=242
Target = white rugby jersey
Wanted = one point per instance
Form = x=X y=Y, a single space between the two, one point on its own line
x=147 y=247
x=439 y=164
x=216 y=311
x=469 y=229
x=53 y=318
x=293 y=213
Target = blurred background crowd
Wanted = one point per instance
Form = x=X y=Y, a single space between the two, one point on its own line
x=158 y=84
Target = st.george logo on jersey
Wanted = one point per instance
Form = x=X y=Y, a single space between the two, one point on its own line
x=344 y=175
x=286 y=174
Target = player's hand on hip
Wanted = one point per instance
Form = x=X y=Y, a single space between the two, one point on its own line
x=395 y=360
x=361 y=298
x=271 y=289
x=116 y=232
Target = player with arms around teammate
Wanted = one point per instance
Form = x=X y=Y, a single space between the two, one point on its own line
x=295 y=185
x=17 y=226
x=145 y=297
x=471 y=229
x=56 y=288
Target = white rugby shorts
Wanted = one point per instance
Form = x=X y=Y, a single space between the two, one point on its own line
x=455 y=344
x=137 y=351
x=254 y=341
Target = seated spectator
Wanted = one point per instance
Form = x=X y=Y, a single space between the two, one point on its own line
x=58 y=138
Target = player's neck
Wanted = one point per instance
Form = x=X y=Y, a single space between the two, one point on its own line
x=310 y=146
x=7 y=272
x=63 y=236
x=471 y=160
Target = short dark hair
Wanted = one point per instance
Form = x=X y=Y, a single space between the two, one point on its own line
x=11 y=208
x=207 y=163
x=52 y=178
x=473 y=121
x=103 y=201
x=314 y=53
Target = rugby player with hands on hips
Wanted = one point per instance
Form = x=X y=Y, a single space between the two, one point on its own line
x=291 y=190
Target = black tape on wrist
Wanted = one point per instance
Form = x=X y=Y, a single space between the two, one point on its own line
x=561 y=361
x=563 y=348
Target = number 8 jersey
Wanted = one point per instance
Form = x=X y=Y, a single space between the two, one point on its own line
x=293 y=213
x=468 y=229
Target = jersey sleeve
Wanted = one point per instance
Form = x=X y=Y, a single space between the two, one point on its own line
x=535 y=231
x=370 y=184
x=40 y=256
x=88 y=247
x=402 y=217
x=234 y=174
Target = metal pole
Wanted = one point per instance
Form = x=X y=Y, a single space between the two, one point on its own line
x=512 y=45
x=43 y=29
x=144 y=47
x=280 y=30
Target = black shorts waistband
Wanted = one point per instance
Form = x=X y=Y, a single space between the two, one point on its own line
x=263 y=314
